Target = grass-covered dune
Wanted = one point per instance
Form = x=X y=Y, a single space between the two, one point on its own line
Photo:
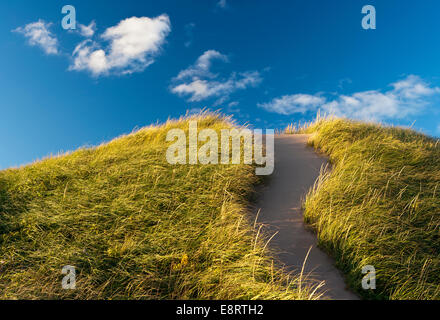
x=134 y=226
x=379 y=205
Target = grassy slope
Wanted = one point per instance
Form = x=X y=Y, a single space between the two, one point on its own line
x=380 y=206
x=134 y=226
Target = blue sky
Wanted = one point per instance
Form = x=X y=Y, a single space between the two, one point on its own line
x=132 y=63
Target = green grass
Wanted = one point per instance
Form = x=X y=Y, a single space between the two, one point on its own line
x=135 y=227
x=379 y=205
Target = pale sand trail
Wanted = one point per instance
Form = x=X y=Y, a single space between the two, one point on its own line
x=296 y=168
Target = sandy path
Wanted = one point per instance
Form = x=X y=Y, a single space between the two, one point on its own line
x=296 y=168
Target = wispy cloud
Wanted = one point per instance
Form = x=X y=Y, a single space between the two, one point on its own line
x=189 y=28
x=198 y=83
x=38 y=34
x=133 y=46
x=222 y=4
x=295 y=103
x=343 y=82
x=233 y=107
x=406 y=97
x=198 y=90
x=201 y=68
x=87 y=31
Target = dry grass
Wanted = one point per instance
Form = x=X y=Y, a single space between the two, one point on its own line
x=134 y=226
x=379 y=205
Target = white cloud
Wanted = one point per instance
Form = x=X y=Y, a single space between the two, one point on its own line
x=198 y=83
x=295 y=103
x=38 y=34
x=413 y=87
x=88 y=56
x=407 y=97
x=134 y=43
x=87 y=31
x=201 y=67
x=199 y=90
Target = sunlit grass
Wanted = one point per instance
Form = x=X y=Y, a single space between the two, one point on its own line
x=379 y=205
x=135 y=227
